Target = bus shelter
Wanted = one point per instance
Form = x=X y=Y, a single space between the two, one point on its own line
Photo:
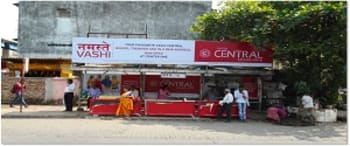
x=189 y=68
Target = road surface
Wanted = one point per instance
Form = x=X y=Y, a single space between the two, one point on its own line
x=122 y=131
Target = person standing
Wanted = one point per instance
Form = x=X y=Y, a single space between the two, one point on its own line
x=246 y=99
x=225 y=105
x=241 y=100
x=126 y=104
x=18 y=91
x=69 y=95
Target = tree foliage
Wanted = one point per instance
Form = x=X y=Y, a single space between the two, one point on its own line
x=309 y=38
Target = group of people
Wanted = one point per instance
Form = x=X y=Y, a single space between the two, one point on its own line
x=241 y=97
x=95 y=92
x=107 y=85
x=277 y=113
x=19 y=86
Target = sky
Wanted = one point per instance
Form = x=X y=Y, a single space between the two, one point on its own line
x=9 y=19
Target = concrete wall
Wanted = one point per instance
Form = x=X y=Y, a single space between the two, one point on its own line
x=34 y=92
x=54 y=88
x=38 y=90
x=43 y=23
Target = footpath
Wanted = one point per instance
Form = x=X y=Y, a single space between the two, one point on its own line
x=56 y=111
x=39 y=111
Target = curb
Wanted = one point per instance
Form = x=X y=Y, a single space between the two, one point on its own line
x=42 y=116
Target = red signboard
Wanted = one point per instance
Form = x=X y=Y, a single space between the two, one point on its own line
x=209 y=108
x=129 y=80
x=190 y=84
x=231 y=53
x=251 y=84
x=169 y=108
x=110 y=106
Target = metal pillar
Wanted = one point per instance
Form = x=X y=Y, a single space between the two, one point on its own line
x=260 y=93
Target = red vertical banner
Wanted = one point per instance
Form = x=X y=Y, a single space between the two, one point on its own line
x=251 y=84
x=129 y=80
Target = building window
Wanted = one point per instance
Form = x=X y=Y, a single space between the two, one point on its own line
x=64 y=23
x=63 y=12
x=43 y=73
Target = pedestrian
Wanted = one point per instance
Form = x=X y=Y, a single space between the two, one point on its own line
x=225 y=105
x=242 y=100
x=126 y=104
x=17 y=89
x=69 y=95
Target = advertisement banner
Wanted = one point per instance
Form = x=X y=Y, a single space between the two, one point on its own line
x=96 y=50
x=132 y=51
x=189 y=52
x=232 y=54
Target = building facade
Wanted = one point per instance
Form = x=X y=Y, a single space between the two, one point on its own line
x=46 y=28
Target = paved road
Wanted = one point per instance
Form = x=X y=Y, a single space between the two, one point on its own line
x=121 y=131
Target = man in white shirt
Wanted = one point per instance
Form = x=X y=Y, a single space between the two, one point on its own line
x=69 y=95
x=307 y=102
x=307 y=112
x=225 y=104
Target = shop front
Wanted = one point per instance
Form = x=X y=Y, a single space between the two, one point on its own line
x=38 y=67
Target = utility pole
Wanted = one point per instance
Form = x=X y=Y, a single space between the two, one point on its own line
x=24 y=70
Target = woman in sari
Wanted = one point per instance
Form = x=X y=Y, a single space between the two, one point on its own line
x=125 y=103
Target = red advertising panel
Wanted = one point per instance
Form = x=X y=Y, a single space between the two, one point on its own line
x=129 y=80
x=231 y=53
x=190 y=84
x=172 y=108
x=251 y=84
x=207 y=108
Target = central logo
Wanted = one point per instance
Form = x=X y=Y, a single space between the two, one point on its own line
x=205 y=53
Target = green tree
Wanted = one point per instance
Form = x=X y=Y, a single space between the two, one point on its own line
x=309 y=38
